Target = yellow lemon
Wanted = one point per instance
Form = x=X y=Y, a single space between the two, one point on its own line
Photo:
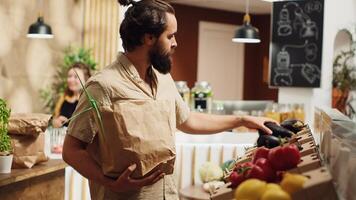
x=251 y=189
x=275 y=194
x=273 y=186
x=293 y=182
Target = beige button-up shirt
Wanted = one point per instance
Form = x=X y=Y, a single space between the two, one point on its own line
x=136 y=120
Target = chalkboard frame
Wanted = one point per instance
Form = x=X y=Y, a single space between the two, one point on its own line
x=307 y=72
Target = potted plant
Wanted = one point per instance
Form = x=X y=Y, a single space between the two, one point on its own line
x=344 y=79
x=5 y=142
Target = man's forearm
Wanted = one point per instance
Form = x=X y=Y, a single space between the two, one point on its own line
x=201 y=123
x=81 y=161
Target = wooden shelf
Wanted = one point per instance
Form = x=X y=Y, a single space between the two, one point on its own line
x=17 y=175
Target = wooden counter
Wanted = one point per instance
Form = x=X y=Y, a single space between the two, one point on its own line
x=43 y=181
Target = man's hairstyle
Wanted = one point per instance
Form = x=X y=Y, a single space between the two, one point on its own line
x=143 y=17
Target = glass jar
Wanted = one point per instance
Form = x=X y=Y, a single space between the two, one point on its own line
x=298 y=112
x=272 y=112
x=218 y=108
x=183 y=90
x=286 y=112
x=201 y=97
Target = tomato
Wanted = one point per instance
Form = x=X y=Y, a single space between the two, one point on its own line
x=256 y=172
x=276 y=158
x=268 y=171
x=240 y=168
x=284 y=158
x=236 y=179
x=292 y=156
x=249 y=170
x=261 y=152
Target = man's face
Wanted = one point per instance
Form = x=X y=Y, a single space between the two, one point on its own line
x=162 y=51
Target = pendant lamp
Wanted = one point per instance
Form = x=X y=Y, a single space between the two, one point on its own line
x=40 y=29
x=247 y=33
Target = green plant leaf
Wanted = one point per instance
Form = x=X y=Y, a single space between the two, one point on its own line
x=5 y=142
x=93 y=104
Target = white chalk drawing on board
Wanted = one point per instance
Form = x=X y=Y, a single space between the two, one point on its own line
x=311 y=51
x=283 y=80
x=284 y=69
x=284 y=23
x=313 y=6
x=301 y=22
x=309 y=29
x=309 y=71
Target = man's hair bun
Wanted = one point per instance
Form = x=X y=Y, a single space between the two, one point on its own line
x=126 y=2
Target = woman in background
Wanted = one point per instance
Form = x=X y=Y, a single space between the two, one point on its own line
x=66 y=104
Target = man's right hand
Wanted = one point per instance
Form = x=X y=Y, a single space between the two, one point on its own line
x=125 y=183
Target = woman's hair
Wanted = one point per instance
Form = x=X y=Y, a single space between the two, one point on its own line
x=86 y=72
x=143 y=17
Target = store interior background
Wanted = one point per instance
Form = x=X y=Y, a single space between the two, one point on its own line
x=27 y=65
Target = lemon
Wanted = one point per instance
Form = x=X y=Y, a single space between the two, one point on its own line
x=251 y=189
x=293 y=182
x=273 y=186
x=275 y=194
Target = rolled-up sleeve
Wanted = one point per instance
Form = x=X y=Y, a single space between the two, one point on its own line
x=182 y=109
x=84 y=127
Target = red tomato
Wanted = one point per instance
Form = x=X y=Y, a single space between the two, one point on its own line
x=236 y=179
x=261 y=152
x=241 y=168
x=292 y=156
x=284 y=158
x=269 y=173
x=255 y=172
x=276 y=158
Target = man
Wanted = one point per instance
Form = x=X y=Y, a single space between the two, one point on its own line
x=141 y=108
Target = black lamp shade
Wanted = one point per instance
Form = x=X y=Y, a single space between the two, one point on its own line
x=247 y=34
x=40 y=30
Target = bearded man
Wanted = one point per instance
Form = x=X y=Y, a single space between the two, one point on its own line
x=141 y=110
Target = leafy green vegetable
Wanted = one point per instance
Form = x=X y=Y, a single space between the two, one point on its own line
x=5 y=143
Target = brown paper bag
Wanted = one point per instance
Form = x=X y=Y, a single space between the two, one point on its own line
x=136 y=131
x=27 y=137
x=28 y=150
x=28 y=123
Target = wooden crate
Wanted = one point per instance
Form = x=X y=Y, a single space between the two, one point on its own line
x=318 y=186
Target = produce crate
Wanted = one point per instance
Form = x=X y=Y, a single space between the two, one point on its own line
x=223 y=193
x=309 y=162
x=318 y=186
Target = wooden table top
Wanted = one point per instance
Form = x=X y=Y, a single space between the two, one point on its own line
x=194 y=192
x=17 y=175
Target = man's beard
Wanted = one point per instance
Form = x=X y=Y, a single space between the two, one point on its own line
x=160 y=60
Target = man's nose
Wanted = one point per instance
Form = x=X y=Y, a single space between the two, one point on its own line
x=174 y=43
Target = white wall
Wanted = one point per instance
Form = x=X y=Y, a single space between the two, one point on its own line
x=337 y=15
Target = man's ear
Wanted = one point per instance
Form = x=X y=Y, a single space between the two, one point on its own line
x=149 y=39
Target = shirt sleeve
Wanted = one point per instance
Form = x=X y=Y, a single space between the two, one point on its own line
x=182 y=108
x=84 y=127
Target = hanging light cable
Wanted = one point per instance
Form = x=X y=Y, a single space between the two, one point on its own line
x=247 y=33
x=40 y=29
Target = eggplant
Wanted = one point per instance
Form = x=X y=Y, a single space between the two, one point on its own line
x=269 y=141
x=293 y=125
x=277 y=131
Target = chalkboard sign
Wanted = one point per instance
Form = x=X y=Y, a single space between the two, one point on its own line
x=297 y=37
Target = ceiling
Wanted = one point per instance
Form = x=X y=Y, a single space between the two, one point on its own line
x=256 y=6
